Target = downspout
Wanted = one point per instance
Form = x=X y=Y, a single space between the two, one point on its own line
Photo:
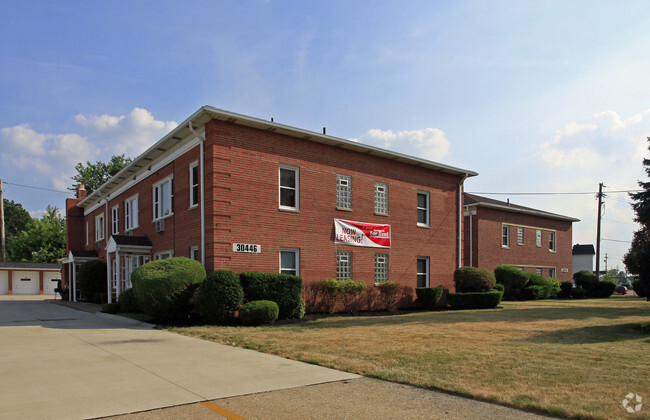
x=460 y=220
x=202 y=172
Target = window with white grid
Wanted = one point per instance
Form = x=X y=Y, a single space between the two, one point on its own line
x=381 y=198
x=343 y=265
x=344 y=191
x=381 y=268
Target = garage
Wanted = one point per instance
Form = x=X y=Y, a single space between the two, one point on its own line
x=50 y=282
x=27 y=278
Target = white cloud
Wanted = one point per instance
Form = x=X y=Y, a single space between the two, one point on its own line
x=427 y=143
x=47 y=160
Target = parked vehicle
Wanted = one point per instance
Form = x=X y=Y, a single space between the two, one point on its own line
x=621 y=290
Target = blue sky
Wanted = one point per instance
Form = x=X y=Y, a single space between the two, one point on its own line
x=544 y=96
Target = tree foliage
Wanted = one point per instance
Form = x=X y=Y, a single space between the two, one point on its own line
x=42 y=240
x=637 y=259
x=16 y=218
x=93 y=175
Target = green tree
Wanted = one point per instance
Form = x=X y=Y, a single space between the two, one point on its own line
x=637 y=259
x=43 y=240
x=611 y=275
x=93 y=175
x=16 y=218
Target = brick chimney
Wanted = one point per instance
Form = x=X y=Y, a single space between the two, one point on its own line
x=81 y=192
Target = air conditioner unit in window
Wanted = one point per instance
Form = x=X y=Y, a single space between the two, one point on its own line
x=160 y=226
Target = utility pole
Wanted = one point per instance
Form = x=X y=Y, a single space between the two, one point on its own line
x=605 y=262
x=600 y=207
x=2 y=223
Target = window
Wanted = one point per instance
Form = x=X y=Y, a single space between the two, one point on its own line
x=344 y=192
x=381 y=198
x=115 y=220
x=131 y=213
x=505 y=236
x=99 y=227
x=423 y=209
x=538 y=271
x=289 y=261
x=194 y=253
x=194 y=184
x=551 y=241
x=423 y=272
x=551 y=273
x=381 y=268
x=520 y=236
x=538 y=238
x=163 y=201
x=343 y=265
x=163 y=255
x=289 y=188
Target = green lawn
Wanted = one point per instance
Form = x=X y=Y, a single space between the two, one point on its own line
x=567 y=358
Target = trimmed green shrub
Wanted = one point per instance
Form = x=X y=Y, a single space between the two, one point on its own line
x=302 y=309
x=91 y=279
x=551 y=286
x=111 y=308
x=259 y=312
x=586 y=279
x=500 y=287
x=429 y=296
x=471 y=279
x=475 y=300
x=533 y=292
x=388 y=295
x=164 y=288
x=513 y=279
x=128 y=302
x=565 y=290
x=604 y=289
x=639 y=289
x=327 y=291
x=283 y=289
x=578 y=293
x=349 y=292
x=220 y=296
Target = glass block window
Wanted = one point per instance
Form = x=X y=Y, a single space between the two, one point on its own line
x=381 y=268
x=381 y=198
x=344 y=191
x=343 y=265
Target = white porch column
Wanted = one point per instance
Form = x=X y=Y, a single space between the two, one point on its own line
x=118 y=273
x=109 y=287
x=74 y=281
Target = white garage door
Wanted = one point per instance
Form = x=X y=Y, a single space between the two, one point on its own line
x=4 y=282
x=26 y=283
x=50 y=281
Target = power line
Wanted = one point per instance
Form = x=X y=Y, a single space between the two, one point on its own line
x=553 y=193
x=616 y=240
x=38 y=188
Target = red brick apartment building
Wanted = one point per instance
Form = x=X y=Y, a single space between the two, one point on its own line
x=498 y=232
x=241 y=193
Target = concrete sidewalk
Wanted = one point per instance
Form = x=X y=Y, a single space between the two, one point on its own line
x=63 y=363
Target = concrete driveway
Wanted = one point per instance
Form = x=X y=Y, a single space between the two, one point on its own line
x=61 y=363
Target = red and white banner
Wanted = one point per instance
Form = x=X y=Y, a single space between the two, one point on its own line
x=361 y=234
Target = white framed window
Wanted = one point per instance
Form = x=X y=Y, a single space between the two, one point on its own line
x=520 y=235
x=343 y=192
x=194 y=253
x=115 y=220
x=505 y=236
x=290 y=261
x=289 y=188
x=381 y=268
x=194 y=184
x=163 y=255
x=99 y=228
x=381 y=198
x=343 y=265
x=538 y=238
x=131 y=213
x=423 y=208
x=163 y=199
x=551 y=241
x=423 y=272
x=538 y=271
x=551 y=273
